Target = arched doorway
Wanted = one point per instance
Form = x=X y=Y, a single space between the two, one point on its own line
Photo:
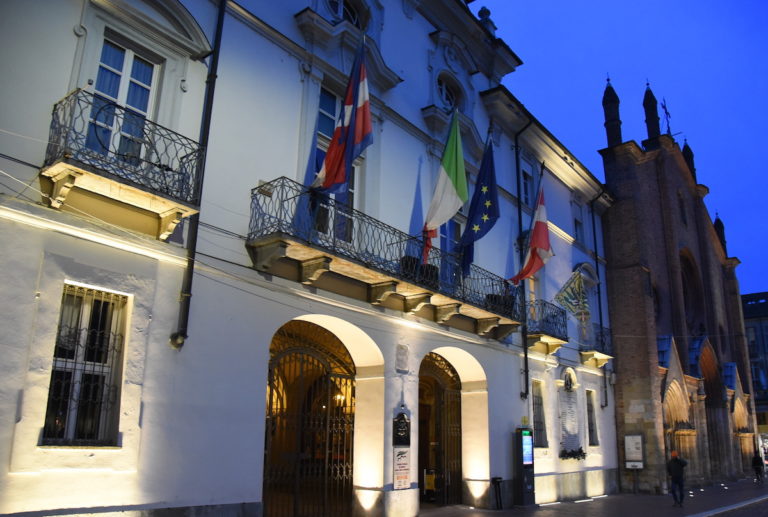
x=309 y=424
x=440 y=472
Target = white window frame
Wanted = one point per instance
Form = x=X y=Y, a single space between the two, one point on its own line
x=78 y=365
x=123 y=23
x=120 y=123
x=527 y=195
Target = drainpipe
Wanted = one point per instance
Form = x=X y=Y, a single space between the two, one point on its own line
x=604 y=403
x=179 y=337
x=524 y=322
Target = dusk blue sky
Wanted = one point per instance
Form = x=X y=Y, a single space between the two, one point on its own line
x=708 y=60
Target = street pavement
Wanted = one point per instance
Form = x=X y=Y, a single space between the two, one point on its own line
x=741 y=498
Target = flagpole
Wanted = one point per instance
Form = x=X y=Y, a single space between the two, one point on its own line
x=520 y=291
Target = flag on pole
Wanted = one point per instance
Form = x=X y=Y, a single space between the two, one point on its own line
x=539 y=249
x=451 y=190
x=353 y=131
x=483 y=210
x=304 y=217
x=573 y=296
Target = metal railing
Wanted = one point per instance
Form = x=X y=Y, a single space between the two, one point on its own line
x=283 y=207
x=117 y=142
x=548 y=319
x=597 y=339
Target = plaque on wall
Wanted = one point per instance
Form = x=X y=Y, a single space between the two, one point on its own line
x=402 y=468
x=401 y=431
x=569 y=420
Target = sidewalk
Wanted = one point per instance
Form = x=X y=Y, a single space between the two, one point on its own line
x=700 y=502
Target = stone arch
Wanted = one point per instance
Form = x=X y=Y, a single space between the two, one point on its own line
x=475 y=448
x=369 y=425
x=693 y=293
x=740 y=416
x=676 y=405
x=709 y=366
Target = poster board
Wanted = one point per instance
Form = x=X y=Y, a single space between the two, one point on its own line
x=633 y=451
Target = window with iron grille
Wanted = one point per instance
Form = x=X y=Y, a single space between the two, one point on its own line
x=539 y=424
x=591 y=423
x=84 y=393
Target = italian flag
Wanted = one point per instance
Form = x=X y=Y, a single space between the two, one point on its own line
x=451 y=190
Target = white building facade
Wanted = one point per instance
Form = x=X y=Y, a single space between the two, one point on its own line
x=174 y=339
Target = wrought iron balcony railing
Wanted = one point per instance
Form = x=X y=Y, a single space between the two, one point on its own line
x=547 y=319
x=596 y=339
x=599 y=341
x=117 y=142
x=284 y=208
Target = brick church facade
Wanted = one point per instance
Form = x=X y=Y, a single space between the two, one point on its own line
x=683 y=378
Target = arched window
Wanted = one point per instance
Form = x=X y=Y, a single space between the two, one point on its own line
x=448 y=92
x=349 y=11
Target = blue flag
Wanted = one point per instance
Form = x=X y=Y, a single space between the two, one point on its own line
x=304 y=217
x=483 y=210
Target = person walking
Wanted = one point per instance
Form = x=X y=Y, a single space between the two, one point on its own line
x=676 y=470
x=757 y=465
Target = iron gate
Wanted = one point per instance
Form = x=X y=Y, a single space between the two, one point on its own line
x=443 y=386
x=310 y=419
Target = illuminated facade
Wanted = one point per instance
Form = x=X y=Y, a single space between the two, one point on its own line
x=755 y=308
x=174 y=340
x=682 y=368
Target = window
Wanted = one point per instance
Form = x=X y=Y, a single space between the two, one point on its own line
x=83 y=399
x=591 y=423
x=344 y=10
x=527 y=194
x=125 y=79
x=450 y=235
x=329 y=106
x=539 y=424
x=578 y=231
x=343 y=225
x=447 y=93
x=752 y=342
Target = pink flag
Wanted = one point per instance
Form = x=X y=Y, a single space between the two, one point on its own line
x=539 y=250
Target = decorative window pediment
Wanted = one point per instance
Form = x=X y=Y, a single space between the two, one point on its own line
x=451 y=67
x=437 y=120
x=344 y=35
x=168 y=20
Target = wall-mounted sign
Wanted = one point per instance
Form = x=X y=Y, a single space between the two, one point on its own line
x=633 y=451
x=402 y=468
x=401 y=431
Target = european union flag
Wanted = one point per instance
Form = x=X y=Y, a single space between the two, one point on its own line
x=483 y=210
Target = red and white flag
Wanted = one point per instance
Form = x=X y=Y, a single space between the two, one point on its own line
x=353 y=132
x=539 y=249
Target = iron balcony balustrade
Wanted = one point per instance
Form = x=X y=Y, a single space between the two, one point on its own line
x=547 y=320
x=599 y=340
x=98 y=146
x=289 y=220
x=597 y=349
